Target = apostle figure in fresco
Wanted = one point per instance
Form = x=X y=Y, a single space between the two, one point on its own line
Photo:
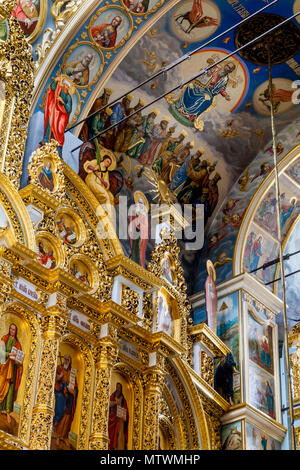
x=248 y=249
x=151 y=147
x=256 y=253
x=99 y=103
x=265 y=354
x=270 y=399
x=211 y=297
x=138 y=228
x=287 y=211
x=254 y=345
x=46 y=177
x=197 y=178
x=197 y=97
x=141 y=135
x=124 y=135
x=137 y=6
x=27 y=15
x=118 y=420
x=119 y=111
x=79 y=70
x=106 y=34
x=10 y=371
x=66 y=392
x=58 y=108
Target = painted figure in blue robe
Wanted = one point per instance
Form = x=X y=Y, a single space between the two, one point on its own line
x=270 y=399
x=199 y=95
x=287 y=211
x=65 y=392
x=265 y=353
x=256 y=254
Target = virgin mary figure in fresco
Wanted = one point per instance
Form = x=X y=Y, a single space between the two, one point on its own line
x=198 y=95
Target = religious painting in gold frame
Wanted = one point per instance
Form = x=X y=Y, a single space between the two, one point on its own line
x=14 y=356
x=68 y=398
x=31 y=15
x=120 y=413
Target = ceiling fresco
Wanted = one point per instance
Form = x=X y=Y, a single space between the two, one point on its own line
x=208 y=142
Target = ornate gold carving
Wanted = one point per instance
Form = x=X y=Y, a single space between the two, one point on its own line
x=297 y=433
x=53 y=326
x=105 y=354
x=6 y=8
x=178 y=287
x=18 y=74
x=295 y=364
x=153 y=383
x=130 y=299
x=207 y=368
x=147 y=311
x=47 y=154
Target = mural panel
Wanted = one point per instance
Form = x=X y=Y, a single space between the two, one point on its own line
x=228 y=332
x=262 y=390
x=260 y=440
x=231 y=436
x=260 y=343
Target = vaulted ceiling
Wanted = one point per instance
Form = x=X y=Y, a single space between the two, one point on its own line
x=225 y=113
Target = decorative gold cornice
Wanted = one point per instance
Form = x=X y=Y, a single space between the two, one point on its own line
x=202 y=333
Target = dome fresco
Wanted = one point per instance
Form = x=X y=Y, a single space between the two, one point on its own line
x=222 y=118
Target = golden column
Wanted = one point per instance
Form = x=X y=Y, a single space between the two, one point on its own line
x=105 y=354
x=153 y=379
x=53 y=324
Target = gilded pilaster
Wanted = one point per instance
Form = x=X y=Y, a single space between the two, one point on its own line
x=105 y=355
x=53 y=324
x=153 y=384
x=5 y=282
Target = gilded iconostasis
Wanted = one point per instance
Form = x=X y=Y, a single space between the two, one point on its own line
x=121 y=150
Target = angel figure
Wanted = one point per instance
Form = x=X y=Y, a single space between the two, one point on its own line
x=152 y=61
x=196 y=18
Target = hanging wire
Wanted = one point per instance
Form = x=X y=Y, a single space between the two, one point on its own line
x=274 y=261
x=197 y=75
x=285 y=325
x=174 y=64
